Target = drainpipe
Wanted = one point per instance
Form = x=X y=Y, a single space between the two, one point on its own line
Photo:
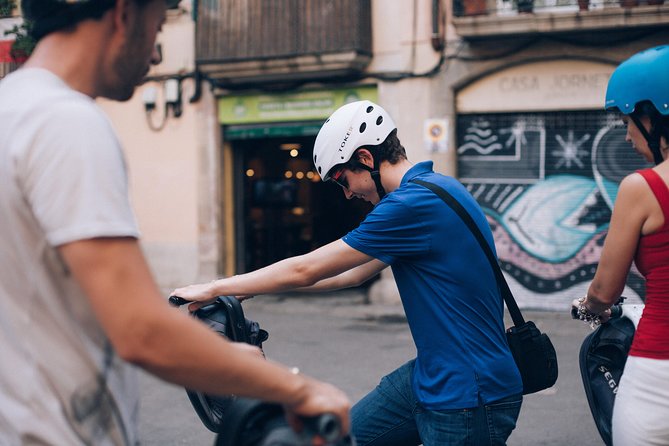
x=437 y=39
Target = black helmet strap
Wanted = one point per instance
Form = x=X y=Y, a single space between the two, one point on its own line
x=374 y=172
x=653 y=137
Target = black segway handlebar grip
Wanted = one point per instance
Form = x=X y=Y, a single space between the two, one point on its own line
x=616 y=312
x=327 y=426
x=177 y=301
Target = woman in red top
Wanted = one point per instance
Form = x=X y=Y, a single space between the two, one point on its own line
x=639 y=231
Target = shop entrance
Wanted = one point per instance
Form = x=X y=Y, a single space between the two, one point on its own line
x=282 y=207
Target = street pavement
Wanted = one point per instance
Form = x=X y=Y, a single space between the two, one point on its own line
x=338 y=338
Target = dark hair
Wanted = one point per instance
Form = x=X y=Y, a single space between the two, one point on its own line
x=659 y=121
x=391 y=150
x=47 y=16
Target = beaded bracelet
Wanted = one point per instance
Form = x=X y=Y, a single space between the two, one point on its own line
x=586 y=315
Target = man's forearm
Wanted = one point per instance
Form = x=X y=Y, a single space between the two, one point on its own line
x=351 y=278
x=146 y=331
x=197 y=358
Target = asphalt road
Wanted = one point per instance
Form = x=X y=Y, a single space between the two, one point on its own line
x=341 y=340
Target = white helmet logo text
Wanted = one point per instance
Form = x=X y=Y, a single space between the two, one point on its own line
x=343 y=143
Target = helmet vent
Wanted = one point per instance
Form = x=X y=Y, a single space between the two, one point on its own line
x=315 y=158
x=363 y=126
x=319 y=170
x=327 y=121
x=379 y=120
x=369 y=109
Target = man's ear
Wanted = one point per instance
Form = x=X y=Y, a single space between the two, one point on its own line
x=121 y=12
x=364 y=156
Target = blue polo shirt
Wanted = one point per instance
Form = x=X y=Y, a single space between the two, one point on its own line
x=448 y=290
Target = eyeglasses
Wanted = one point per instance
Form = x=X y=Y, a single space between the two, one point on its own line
x=338 y=177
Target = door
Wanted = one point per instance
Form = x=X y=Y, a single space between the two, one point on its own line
x=283 y=207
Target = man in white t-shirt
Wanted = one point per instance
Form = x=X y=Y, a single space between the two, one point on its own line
x=78 y=304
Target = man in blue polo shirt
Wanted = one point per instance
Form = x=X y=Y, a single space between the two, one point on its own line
x=463 y=387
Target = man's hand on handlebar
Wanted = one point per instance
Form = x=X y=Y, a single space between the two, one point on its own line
x=320 y=398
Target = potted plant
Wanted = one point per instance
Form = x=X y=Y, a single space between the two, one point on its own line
x=7 y=7
x=23 y=43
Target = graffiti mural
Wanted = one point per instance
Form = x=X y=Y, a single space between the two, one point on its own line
x=547 y=182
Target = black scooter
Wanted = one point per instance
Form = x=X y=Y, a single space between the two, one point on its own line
x=602 y=361
x=244 y=421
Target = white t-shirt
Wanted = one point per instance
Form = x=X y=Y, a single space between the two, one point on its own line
x=62 y=178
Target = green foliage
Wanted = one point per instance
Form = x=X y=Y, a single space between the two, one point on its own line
x=23 y=43
x=7 y=7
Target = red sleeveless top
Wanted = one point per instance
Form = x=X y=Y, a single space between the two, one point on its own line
x=652 y=259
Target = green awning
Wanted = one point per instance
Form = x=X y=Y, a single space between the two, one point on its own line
x=237 y=132
x=294 y=106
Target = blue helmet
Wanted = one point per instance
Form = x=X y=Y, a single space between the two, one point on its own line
x=642 y=77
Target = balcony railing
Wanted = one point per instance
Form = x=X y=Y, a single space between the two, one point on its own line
x=486 y=18
x=258 y=40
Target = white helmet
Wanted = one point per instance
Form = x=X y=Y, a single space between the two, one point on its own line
x=351 y=126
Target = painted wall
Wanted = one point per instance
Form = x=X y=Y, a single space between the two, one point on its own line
x=547 y=182
x=545 y=167
x=165 y=156
x=401 y=39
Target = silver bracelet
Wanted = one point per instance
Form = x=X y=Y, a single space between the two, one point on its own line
x=587 y=316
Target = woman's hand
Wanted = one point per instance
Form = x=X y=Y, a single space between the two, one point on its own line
x=578 y=306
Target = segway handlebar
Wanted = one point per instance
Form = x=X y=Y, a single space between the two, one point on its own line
x=632 y=312
x=177 y=301
x=616 y=311
x=327 y=426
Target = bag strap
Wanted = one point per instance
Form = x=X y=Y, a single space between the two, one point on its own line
x=511 y=304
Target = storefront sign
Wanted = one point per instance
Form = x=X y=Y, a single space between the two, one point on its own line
x=287 y=107
x=553 y=85
x=435 y=135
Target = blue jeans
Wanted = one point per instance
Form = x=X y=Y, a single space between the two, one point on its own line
x=390 y=415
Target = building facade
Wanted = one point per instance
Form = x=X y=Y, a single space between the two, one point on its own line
x=509 y=101
x=533 y=143
x=507 y=96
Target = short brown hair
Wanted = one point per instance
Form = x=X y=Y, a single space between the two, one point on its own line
x=391 y=150
x=47 y=16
